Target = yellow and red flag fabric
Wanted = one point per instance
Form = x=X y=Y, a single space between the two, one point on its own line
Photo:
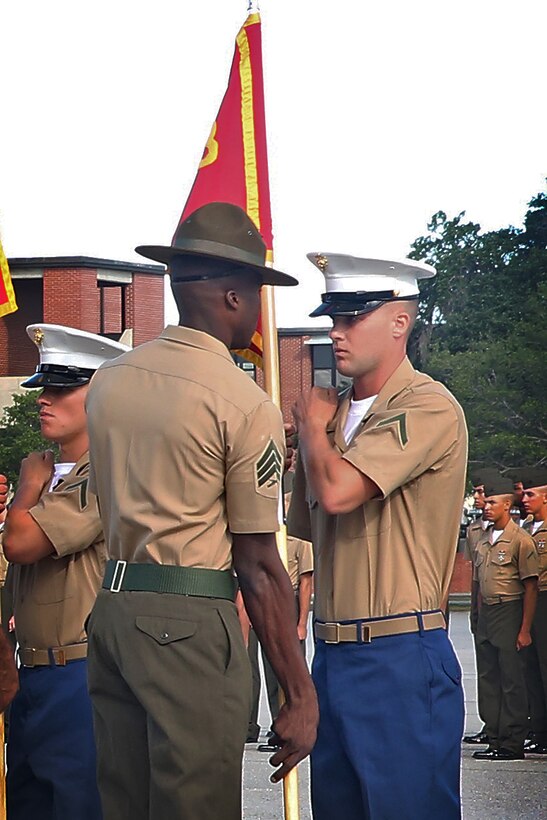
x=7 y=295
x=234 y=166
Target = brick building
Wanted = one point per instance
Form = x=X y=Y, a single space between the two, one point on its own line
x=98 y=295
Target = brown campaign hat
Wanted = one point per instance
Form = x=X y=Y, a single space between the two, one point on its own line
x=218 y=230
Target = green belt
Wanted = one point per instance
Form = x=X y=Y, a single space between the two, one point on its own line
x=206 y=583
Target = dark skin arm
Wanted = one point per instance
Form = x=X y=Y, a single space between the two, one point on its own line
x=528 y=609
x=9 y=681
x=269 y=600
x=24 y=541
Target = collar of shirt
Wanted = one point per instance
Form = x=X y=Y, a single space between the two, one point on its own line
x=507 y=534
x=401 y=377
x=196 y=338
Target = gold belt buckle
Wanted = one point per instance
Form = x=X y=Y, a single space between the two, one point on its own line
x=366 y=637
x=61 y=657
x=336 y=628
x=31 y=664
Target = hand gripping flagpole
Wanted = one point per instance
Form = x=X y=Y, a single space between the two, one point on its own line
x=273 y=388
x=270 y=361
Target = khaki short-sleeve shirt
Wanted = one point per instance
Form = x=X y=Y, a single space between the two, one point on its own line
x=53 y=597
x=185 y=450
x=500 y=568
x=395 y=553
x=475 y=531
x=300 y=559
x=540 y=540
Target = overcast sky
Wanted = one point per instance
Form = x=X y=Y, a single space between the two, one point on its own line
x=378 y=114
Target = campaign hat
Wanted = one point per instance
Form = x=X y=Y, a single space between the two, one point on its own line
x=219 y=231
x=69 y=357
x=356 y=285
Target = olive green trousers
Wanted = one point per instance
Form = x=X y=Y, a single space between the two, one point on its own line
x=536 y=671
x=170 y=684
x=503 y=700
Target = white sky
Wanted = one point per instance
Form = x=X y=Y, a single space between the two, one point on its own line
x=379 y=114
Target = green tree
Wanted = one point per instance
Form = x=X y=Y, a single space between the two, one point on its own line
x=481 y=330
x=19 y=434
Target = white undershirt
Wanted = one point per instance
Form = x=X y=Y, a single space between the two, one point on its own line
x=485 y=524
x=536 y=526
x=59 y=472
x=356 y=413
x=494 y=535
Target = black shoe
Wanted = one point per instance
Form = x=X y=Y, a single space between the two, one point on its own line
x=477 y=739
x=267 y=747
x=498 y=754
x=533 y=747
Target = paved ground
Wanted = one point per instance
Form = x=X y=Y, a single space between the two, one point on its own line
x=516 y=790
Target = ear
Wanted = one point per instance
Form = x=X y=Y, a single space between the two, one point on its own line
x=401 y=323
x=231 y=299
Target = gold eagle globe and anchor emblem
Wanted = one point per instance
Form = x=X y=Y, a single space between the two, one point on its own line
x=38 y=336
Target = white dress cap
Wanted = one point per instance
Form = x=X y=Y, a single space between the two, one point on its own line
x=367 y=283
x=68 y=357
x=352 y=274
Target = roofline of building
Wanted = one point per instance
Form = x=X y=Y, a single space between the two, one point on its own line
x=22 y=262
x=303 y=331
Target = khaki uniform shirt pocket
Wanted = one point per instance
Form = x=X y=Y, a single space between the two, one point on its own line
x=369 y=519
x=49 y=583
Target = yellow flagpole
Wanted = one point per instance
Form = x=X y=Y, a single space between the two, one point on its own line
x=270 y=358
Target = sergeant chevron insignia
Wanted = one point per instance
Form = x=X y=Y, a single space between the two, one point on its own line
x=399 y=422
x=268 y=470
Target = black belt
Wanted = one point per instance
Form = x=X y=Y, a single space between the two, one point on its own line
x=120 y=576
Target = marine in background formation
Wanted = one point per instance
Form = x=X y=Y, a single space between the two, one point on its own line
x=506 y=568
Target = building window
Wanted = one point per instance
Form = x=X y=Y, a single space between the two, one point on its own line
x=324 y=368
x=245 y=365
x=112 y=309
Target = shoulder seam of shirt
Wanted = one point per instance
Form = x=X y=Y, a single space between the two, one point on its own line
x=179 y=377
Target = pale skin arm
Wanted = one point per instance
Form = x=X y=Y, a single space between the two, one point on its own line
x=304 y=598
x=3 y=493
x=336 y=484
x=9 y=679
x=244 y=621
x=528 y=609
x=269 y=600
x=24 y=541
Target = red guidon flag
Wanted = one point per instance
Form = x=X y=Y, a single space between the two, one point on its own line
x=7 y=295
x=234 y=166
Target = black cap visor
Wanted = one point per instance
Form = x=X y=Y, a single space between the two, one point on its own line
x=52 y=375
x=355 y=304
